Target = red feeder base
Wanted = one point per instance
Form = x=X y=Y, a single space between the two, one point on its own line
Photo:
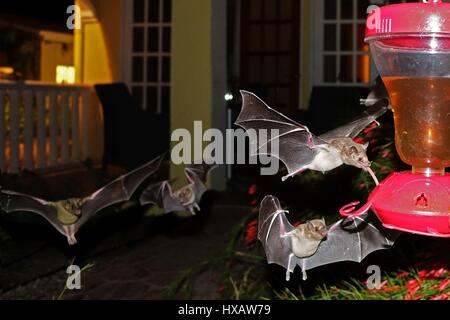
x=412 y=203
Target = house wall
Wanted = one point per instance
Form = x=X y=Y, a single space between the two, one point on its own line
x=197 y=92
x=99 y=45
x=198 y=62
x=56 y=49
x=95 y=57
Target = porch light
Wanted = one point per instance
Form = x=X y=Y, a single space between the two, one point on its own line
x=65 y=74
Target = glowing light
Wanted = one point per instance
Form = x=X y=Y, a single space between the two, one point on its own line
x=65 y=74
x=434 y=44
x=434 y=23
x=228 y=96
x=430 y=136
x=6 y=70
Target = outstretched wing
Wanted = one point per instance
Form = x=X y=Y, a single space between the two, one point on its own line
x=197 y=174
x=161 y=194
x=273 y=228
x=351 y=239
x=200 y=170
x=293 y=143
x=154 y=193
x=11 y=201
x=353 y=128
x=119 y=190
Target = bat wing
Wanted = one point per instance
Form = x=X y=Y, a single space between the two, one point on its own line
x=351 y=239
x=161 y=194
x=118 y=190
x=197 y=175
x=353 y=128
x=11 y=201
x=200 y=170
x=272 y=229
x=377 y=93
x=295 y=141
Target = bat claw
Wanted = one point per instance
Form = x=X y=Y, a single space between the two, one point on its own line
x=71 y=241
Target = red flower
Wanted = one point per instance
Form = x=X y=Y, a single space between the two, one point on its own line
x=443 y=284
x=413 y=297
x=383 y=284
x=389 y=289
x=439 y=273
x=440 y=297
x=251 y=232
x=401 y=275
x=254 y=203
x=433 y=274
x=370 y=128
x=359 y=140
x=386 y=153
x=424 y=274
x=412 y=286
x=252 y=190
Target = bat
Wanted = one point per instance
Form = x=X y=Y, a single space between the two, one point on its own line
x=299 y=149
x=312 y=244
x=68 y=215
x=377 y=93
x=185 y=198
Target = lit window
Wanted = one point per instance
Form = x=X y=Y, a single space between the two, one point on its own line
x=65 y=74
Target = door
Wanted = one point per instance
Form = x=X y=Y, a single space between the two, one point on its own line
x=270 y=51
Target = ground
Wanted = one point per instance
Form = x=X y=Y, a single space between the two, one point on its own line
x=134 y=256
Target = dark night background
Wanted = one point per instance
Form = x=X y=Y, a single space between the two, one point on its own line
x=53 y=13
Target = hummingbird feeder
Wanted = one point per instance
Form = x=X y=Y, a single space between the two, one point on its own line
x=410 y=44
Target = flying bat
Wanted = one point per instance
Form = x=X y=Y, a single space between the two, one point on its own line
x=312 y=244
x=68 y=215
x=185 y=198
x=297 y=147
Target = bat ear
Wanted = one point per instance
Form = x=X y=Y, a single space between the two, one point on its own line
x=366 y=145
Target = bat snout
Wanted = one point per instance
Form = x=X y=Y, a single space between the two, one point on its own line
x=323 y=232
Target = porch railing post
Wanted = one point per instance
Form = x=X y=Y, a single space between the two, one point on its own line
x=28 y=129
x=86 y=124
x=2 y=131
x=53 y=128
x=14 y=130
x=75 y=126
x=65 y=127
x=41 y=136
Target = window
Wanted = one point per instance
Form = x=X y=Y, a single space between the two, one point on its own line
x=150 y=58
x=342 y=56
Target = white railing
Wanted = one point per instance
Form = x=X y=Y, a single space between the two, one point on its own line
x=43 y=125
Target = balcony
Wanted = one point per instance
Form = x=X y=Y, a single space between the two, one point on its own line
x=44 y=127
